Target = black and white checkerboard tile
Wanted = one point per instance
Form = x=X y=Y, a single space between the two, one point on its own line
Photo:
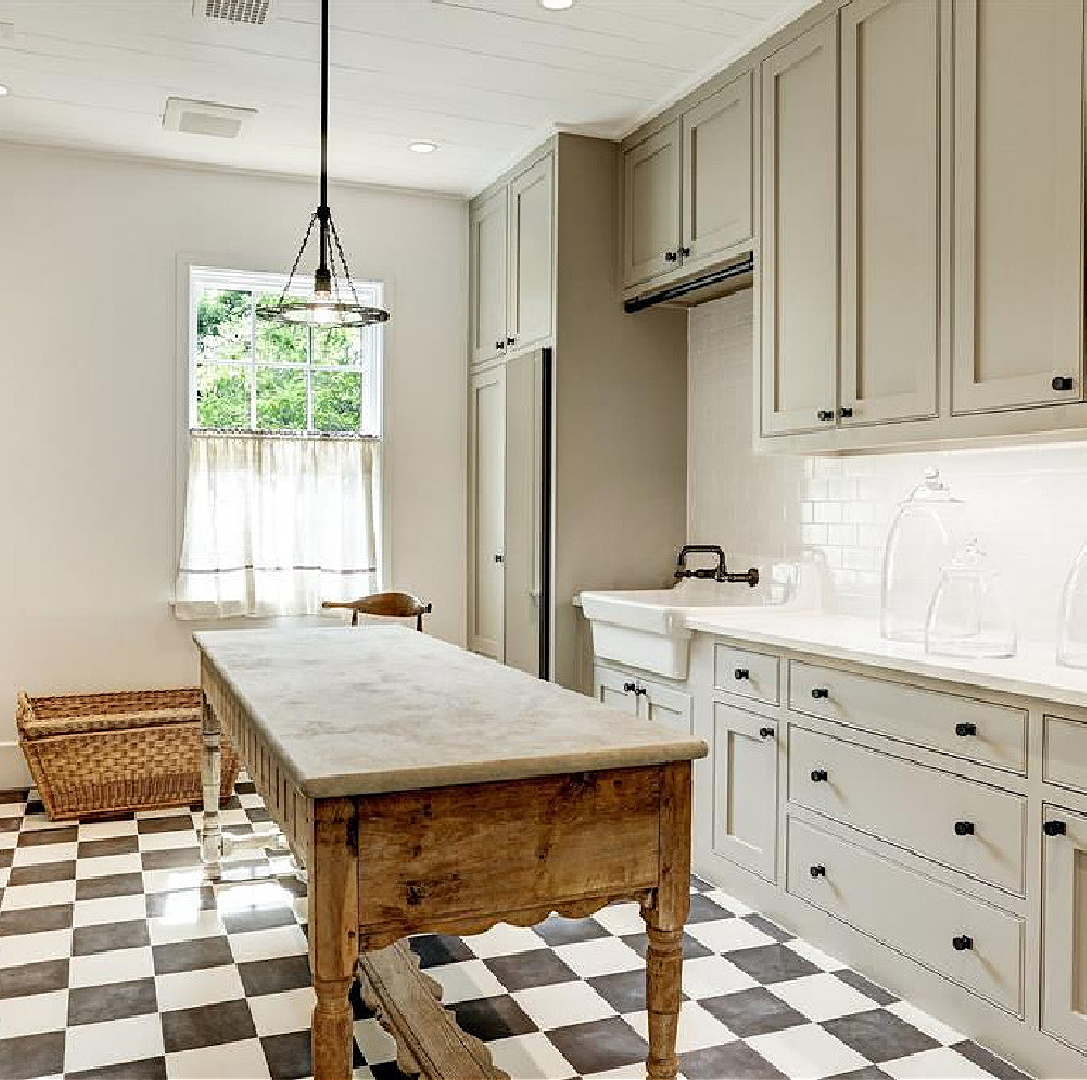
x=118 y=960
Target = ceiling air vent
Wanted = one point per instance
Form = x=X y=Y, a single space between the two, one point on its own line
x=205 y=118
x=252 y=12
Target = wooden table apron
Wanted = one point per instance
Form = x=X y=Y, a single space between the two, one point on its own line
x=459 y=859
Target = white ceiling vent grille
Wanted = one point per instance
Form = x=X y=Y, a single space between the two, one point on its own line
x=251 y=12
x=205 y=118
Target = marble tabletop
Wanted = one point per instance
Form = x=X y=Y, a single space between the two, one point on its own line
x=381 y=709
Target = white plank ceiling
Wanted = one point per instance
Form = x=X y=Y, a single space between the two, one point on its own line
x=485 y=79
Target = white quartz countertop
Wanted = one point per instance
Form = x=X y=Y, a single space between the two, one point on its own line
x=1033 y=673
x=380 y=709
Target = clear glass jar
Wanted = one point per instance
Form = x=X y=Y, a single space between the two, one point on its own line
x=923 y=537
x=1072 y=620
x=969 y=614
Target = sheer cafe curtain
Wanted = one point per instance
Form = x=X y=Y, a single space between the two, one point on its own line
x=275 y=525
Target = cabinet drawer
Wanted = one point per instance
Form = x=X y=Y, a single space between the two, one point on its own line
x=912 y=805
x=911 y=913
x=748 y=674
x=977 y=730
x=1064 y=754
x=665 y=705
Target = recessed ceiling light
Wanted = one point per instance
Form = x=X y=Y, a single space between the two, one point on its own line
x=557 y=5
x=422 y=146
x=3 y=90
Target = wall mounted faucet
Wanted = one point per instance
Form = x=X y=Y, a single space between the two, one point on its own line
x=719 y=572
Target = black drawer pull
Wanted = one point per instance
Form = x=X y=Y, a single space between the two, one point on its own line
x=1055 y=828
x=818 y=870
x=741 y=673
x=966 y=729
x=824 y=416
x=962 y=943
x=820 y=692
x=964 y=828
x=766 y=732
x=671 y=256
x=630 y=688
x=818 y=775
x=1063 y=382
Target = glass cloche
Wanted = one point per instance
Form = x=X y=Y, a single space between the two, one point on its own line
x=924 y=535
x=1072 y=620
x=969 y=614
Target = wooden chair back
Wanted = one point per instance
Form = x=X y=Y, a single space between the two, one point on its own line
x=390 y=605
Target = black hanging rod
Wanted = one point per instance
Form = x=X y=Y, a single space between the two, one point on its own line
x=674 y=292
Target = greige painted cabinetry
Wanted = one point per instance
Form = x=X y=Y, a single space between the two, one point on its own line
x=651 y=208
x=488 y=252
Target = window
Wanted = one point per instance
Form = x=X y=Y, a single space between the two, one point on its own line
x=282 y=507
x=250 y=375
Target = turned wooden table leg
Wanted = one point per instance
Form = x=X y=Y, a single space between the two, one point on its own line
x=211 y=833
x=664 y=918
x=333 y=934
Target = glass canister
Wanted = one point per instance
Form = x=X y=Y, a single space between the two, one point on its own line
x=923 y=537
x=1072 y=620
x=969 y=615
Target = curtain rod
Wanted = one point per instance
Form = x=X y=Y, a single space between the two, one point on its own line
x=250 y=433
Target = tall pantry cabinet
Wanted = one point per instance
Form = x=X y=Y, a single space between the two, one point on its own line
x=543 y=275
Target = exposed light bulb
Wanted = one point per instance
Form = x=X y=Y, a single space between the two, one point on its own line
x=422 y=146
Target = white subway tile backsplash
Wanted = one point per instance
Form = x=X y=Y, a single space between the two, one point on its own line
x=1025 y=502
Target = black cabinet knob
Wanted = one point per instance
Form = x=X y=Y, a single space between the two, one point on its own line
x=1063 y=382
x=766 y=732
x=962 y=943
x=685 y=252
x=1055 y=828
x=630 y=688
x=966 y=729
x=641 y=690
x=820 y=692
x=845 y=412
x=741 y=673
x=500 y=344
x=818 y=870
x=818 y=775
x=964 y=828
x=671 y=256
x=825 y=415
x=511 y=341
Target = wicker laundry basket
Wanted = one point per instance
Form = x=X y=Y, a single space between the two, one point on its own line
x=92 y=754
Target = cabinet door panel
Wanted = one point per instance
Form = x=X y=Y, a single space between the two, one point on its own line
x=489 y=249
x=651 y=206
x=1018 y=271
x=745 y=789
x=799 y=294
x=890 y=208
x=717 y=173
x=1064 y=941
x=616 y=690
x=530 y=272
x=487 y=482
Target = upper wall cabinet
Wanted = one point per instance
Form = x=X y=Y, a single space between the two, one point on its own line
x=687 y=190
x=890 y=205
x=511 y=240
x=799 y=279
x=1018 y=204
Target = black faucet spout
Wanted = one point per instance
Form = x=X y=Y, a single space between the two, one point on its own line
x=719 y=573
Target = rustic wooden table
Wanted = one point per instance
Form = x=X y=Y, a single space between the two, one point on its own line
x=427 y=789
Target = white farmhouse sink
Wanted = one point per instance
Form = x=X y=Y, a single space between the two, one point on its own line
x=647 y=628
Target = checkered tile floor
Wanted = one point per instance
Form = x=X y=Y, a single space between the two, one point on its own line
x=117 y=960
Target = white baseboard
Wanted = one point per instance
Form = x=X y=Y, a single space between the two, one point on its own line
x=13 y=772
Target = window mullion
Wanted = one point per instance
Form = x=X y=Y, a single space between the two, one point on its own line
x=253 y=360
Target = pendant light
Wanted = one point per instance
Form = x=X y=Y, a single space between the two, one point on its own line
x=334 y=301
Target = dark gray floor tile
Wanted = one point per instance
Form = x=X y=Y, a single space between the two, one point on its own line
x=192 y=955
x=257 y=814
x=162 y=904
x=10 y=824
x=493 y=1018
x=207 y=1025
x=703 y=909
x=108 y=936
x=109 y=885
x=869 y=1072
x=240 y=922
x=769 y=928
x=7 y=855
x=32 y=1055
x=599 y=1045
x=988 y=1061
x=623 y=991
x=114 y=1001
x=39 y=978
x=273 y=976
x=170 y=858
x=111 y=845
x=699 y=884
x=769 y=964
x=436 y=949
x=692 y=949
x=559 y=931
x=245 y=787
x=41 y=873
x=735 y=1060
x=864 y=986
x=880 y=1035
x=171 y=823
x=65 y=834
x=35 y=920
x=147 y=1069
x=753 y=1012
x=14 y=795
x=288 y=1056
x=537 y=967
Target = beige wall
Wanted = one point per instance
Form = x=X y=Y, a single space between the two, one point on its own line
x=1026 y=502
x=89 y=254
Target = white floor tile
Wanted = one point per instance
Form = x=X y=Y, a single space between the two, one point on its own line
x=729 y=902
x=185 y=927
x=531 y=1057
x=807 y=1053
x=34 y=1014
x=623 y=1072
x=252 y=896
x=466 y=981
x=121 y=965
x=928 y=1024
x=376 y=1044
x=168 y=841
x=822 y=997
x=39 y=823
x=563 y=1004
x=12 y=809
x=191 y=989
x=940 y=1064
x=697 y=1028
x=621 y=919
x=188 y=877
x=816 y=956
x=36 y=854
x=90 y=1046
x=8 y=840
x=724 y=935
x=109 y=909
x=21 y=897
x=268 y=944
x=106 y=865
x=710 y=976
x=601 y=956
x=17 y=949
x=236 y=1059
x=504 y=940
x=278 y=1014
x=103 y=830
